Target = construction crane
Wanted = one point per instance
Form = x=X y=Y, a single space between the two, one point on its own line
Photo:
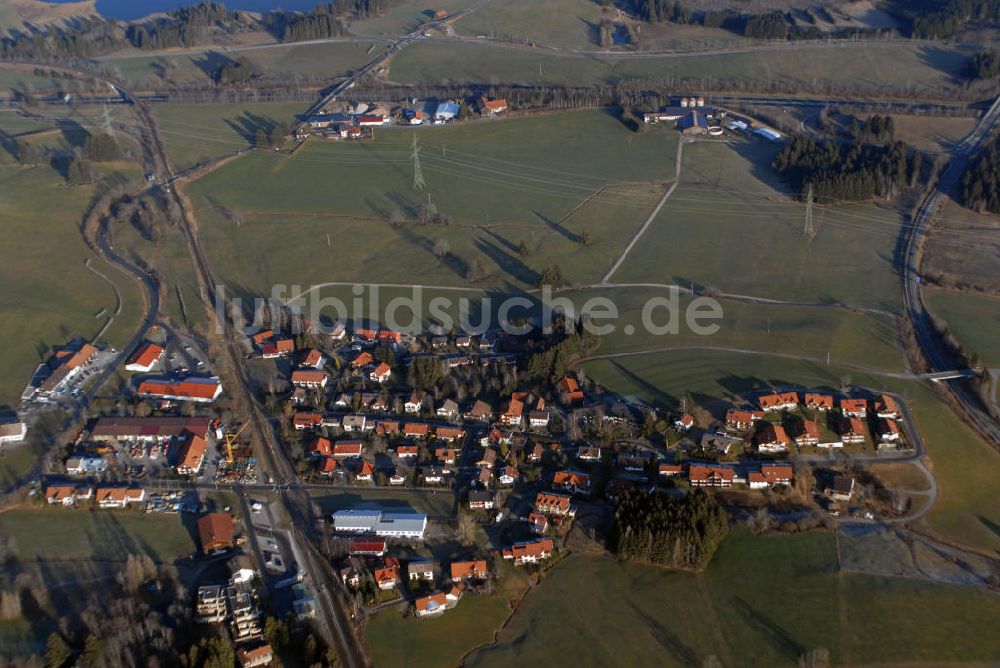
x=230 y=442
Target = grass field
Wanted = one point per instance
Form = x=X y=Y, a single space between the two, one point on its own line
x=967 y=469
x=930 y=133
x=442 y=641
x=963 y=247
x=295 y=62
x=501 y=182
x=564 y=23
x=974 y=319
x=628 y=614
x=15 y=463
x=849 y=338
x=40 y=307
x=102 y=535
x=900 y=66
x=733 y=226
x=194 y=133
x=403 y=17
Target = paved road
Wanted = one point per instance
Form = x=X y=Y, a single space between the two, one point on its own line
x=932 y=346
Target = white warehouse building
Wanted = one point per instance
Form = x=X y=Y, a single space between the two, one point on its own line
x=388 y=525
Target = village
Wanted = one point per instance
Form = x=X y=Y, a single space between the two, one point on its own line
x=378 y=409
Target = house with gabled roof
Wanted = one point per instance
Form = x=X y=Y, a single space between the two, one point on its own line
x=307 y=420
x=309 y=379
x=888 y=430
x=277 y=348
x=742 y=420
x=381 y=373
x=530 y=552
x=856 y=408
x=473 y=569
x=772 y=438
x=314 y=359
x=549 y=503
x=808 y=434
x=480 y=410
x=711 y=476
x=145 y=358
x=818 y=402
x=573 y=482
x=886 y=408
x=513 y=412
x=852 y=430
x=779 y=401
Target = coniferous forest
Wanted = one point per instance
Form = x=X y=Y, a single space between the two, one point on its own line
x=848 y=172
x=981 y=181
x=680 y=532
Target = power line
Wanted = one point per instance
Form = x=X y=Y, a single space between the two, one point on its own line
x=810 y=230
x=418 y=176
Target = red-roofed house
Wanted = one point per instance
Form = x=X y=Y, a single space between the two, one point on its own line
x=347 y=449
x=888 y=430
x=572 y=481
x=530 y=552
x=780 y=401
x=710 y=476
x=381 y=373
x=809 y=434
x=307 y=420
x=314 y=359
x=256 y=657
x=513 y=414
x=309 y=379
x=278 y=348
x=570 y=391
x=885 y=407
x=322 y=448
x=387 y=577
x=857 y=408
x=492 y=107
x=741 y=419
x=852 y=430
x=772 y=439
x=671 y=470
x=465 y=570
x=327 y=466
x=201 y=390
x=145 y=358
x=362 y=360
x=818 y=402
x=554 y=504
x=193 y=457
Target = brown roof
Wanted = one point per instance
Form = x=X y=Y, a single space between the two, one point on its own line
x=153 y=427
x=215 y=531
x=194 y=453
x=466 y=569
x=813 y=400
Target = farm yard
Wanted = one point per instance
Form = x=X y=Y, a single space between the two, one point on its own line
x=616 y=608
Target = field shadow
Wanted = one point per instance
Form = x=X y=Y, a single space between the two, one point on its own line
x=73 y=133
x=667 y=639
x=557 y=227
x=760 y=155
x=769 y=628
x=248 y=124
x=990 y=524
x=944 y=61
x=211 y=62
x=662 y=399
x=507 y=261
